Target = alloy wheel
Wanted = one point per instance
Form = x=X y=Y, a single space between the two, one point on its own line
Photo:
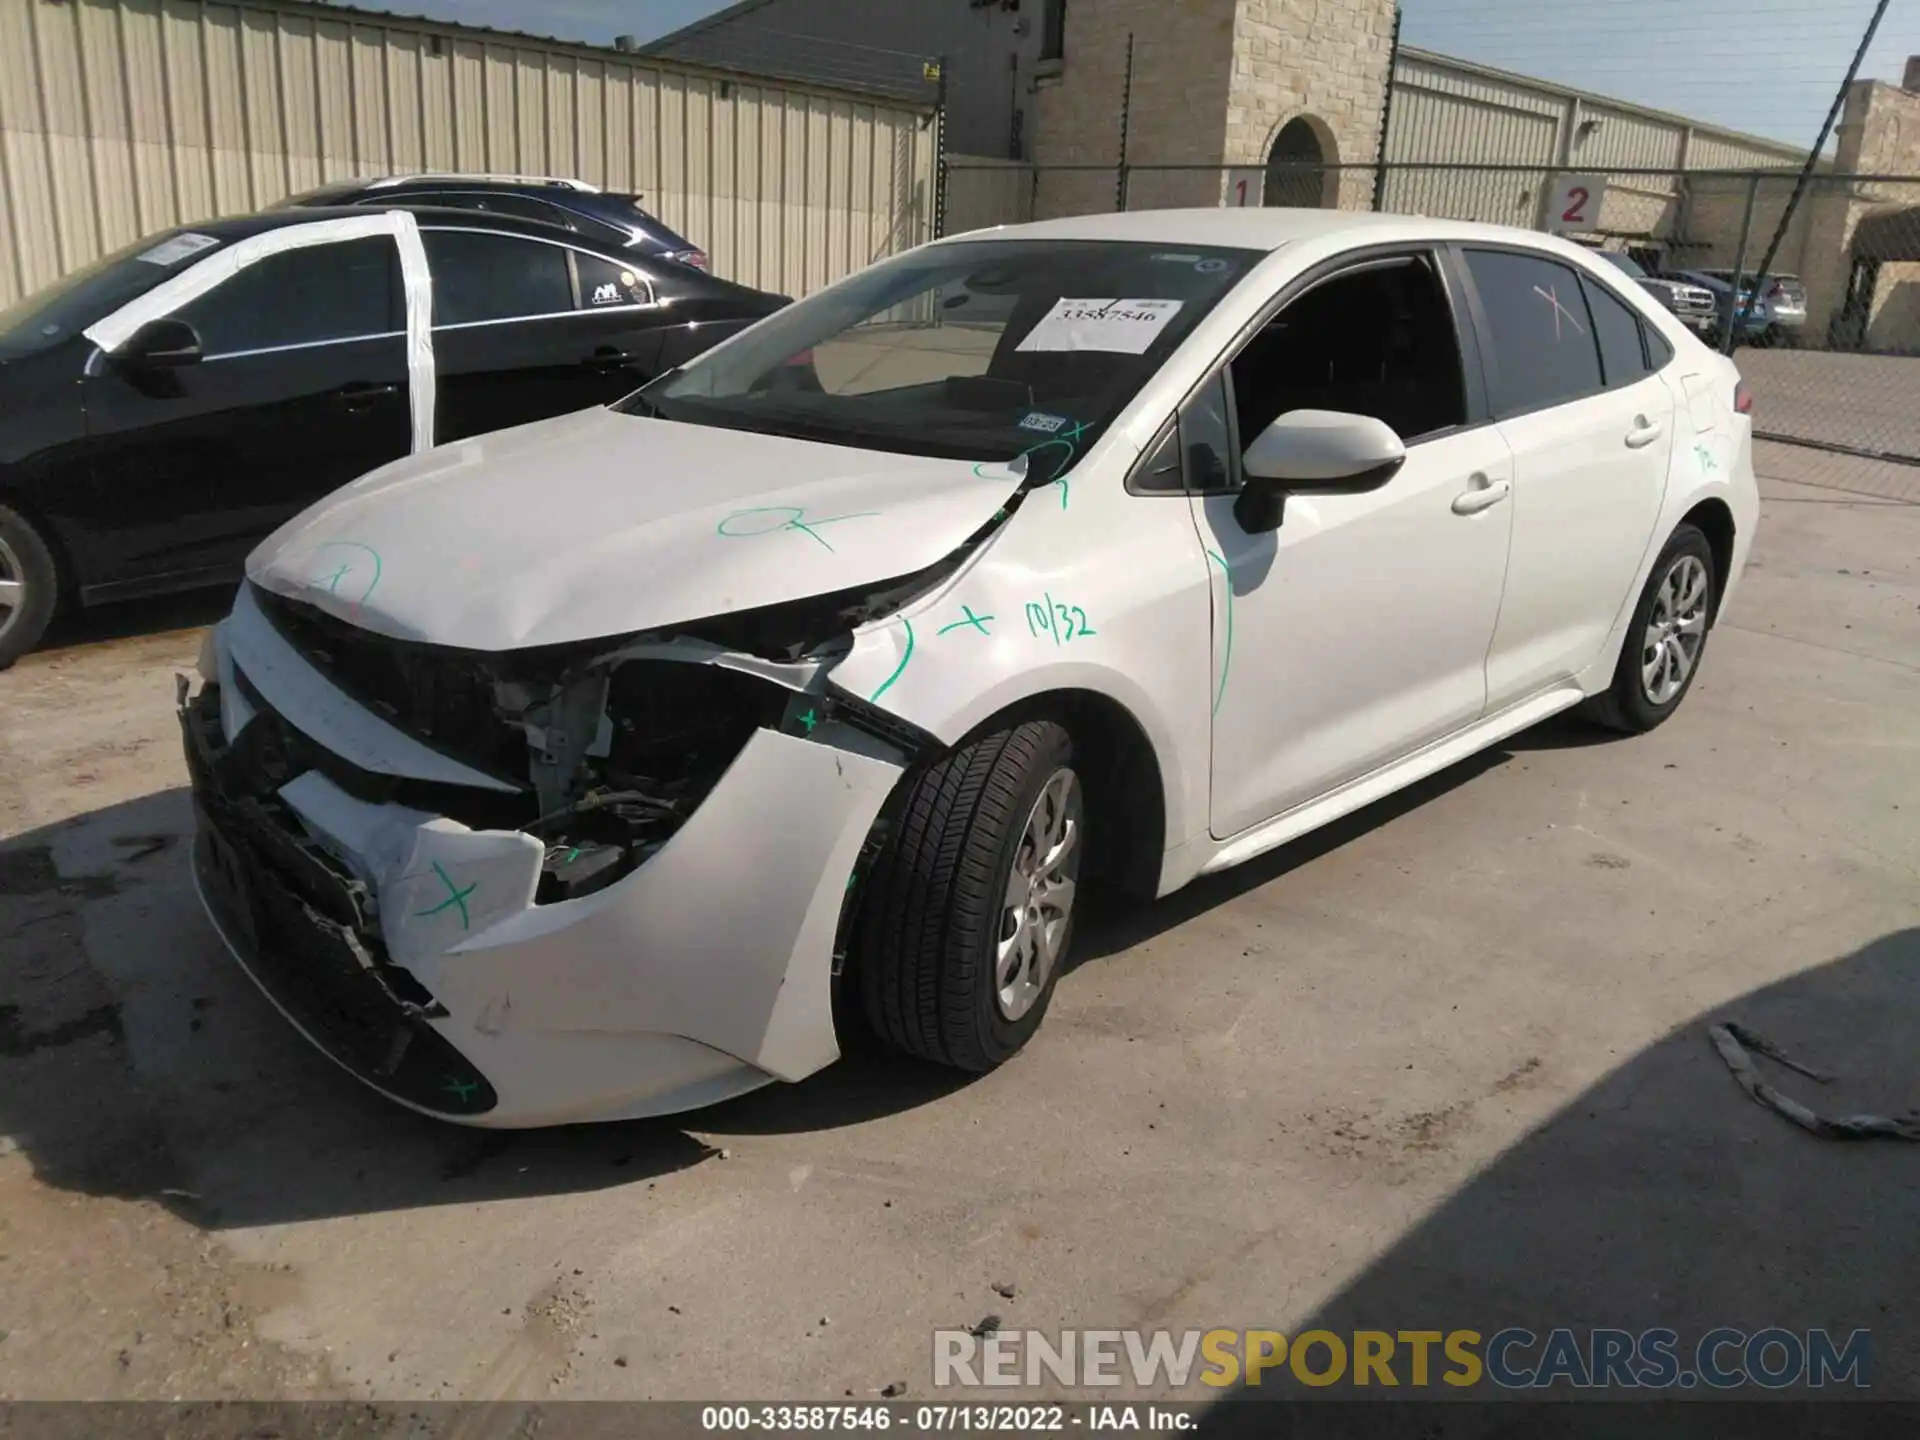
x=1676 y=629
x=1038 y=910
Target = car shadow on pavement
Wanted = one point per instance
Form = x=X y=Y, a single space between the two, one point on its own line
x=138 y=1061
x=134 y=619
x=1661 y=1197
x=1114 y=923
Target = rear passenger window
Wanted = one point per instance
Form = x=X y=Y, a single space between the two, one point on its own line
x=477 y=277
x=1618 y=329
x=1544 y=352
x=1659 y=351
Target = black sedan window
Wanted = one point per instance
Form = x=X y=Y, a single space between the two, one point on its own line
x=346 y=290
x=51 y=316
x=479 y=276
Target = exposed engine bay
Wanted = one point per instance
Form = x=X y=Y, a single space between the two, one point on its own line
x=604 y=751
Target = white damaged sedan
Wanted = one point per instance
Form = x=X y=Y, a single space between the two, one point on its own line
x=612 y=765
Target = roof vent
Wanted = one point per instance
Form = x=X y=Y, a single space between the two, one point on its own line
x=1912 y=82
x=626 y=44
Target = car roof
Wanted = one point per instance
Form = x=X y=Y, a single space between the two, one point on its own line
x=1263 y=228
x=433 y=217
x=575 y=191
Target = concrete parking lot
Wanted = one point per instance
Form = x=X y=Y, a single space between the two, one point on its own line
x=1856 y=402
x=1441 y=1067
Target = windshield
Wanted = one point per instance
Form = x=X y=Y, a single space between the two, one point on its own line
x=988 y=350
x=51 y=316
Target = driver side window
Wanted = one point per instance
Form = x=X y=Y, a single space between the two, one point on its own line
x=1377 y=340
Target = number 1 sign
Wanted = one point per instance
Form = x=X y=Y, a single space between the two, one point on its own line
x=1574 y=201
x=1245 y=188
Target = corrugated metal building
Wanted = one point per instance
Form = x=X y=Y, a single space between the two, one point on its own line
x=120 y=117
x=1446 y=111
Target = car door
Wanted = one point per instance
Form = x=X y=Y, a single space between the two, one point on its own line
x=527 y=328
x=302 y=386
x=1357 y=632
x=1590 y=442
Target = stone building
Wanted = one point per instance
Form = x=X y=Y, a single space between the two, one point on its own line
x=1264 y=84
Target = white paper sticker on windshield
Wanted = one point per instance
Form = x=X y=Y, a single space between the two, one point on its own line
x=1121 y=327
x=172 y=252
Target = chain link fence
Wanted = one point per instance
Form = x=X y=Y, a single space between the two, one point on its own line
x=1829 y=340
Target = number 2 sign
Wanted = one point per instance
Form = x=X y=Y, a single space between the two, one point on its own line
x=1574 y=201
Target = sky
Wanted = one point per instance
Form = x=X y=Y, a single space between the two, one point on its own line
x=1770 y=67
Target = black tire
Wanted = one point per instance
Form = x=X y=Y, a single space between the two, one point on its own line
x=931 y=924
x=1626 y=705
x=25 y=560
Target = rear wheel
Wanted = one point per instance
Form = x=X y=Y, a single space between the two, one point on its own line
x=1666 y=638
x=971 y=906
x=29 y=586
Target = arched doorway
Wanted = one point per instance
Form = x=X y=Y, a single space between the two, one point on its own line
x=1296 y=165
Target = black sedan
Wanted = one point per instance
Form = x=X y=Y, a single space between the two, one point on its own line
x=166 y=408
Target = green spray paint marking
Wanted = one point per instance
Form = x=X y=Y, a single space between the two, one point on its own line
x=331 y=582
x=1226 y=659
x=793 y=518
x=978 y=622
x=810 y=719
x=461 y=1090
x=900 y=670
x=1070 y=441
x=1706 y=457
x=455 y=896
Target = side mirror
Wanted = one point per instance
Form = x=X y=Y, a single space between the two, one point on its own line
x=161 y=345
x=1314 y=452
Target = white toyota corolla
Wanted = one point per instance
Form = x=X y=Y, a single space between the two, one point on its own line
x=604 y=767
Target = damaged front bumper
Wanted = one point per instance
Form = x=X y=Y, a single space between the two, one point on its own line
x=414 y=952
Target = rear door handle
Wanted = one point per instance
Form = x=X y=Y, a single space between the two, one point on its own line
x=1644 y=433
x=1484 y=496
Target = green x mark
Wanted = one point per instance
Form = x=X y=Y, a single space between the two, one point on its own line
x=810 y=719
x=461 y=1090
x=1706 y=457
x=978 y=622
x=455 y=896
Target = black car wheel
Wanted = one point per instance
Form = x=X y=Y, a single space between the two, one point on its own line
x=29 y=586
x=967 y=925
x=1666 y=639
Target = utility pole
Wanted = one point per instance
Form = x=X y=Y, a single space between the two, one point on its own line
x=1806 y=175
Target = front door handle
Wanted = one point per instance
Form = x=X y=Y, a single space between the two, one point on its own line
x=609 y=357
x=362 y=393
x=1644 y=432
x=1484 y=495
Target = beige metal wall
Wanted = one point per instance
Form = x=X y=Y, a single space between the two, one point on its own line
x=121 y=117
x=1446 y=111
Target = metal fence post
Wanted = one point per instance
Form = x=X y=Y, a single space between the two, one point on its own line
x=1739 y=263
x=943 y=172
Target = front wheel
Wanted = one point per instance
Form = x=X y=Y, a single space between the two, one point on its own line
x=1666 y=637
x=29 y=586
x=970 y=909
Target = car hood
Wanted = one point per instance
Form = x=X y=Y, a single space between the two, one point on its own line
x=601 y=524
